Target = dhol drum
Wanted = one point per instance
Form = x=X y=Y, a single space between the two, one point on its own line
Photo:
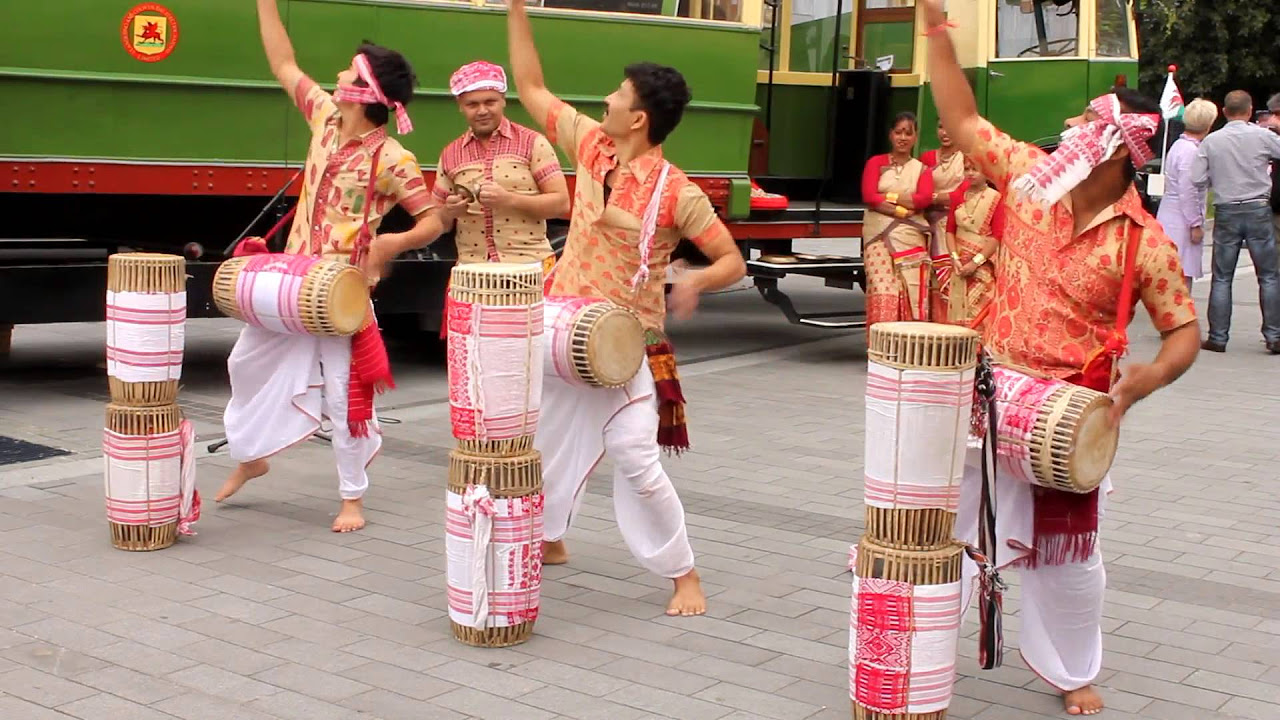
x=146 y=327
x=591 y=342
x=150 y=474
x=493 y=544
x=294 y=294
x=1052 y=433
x=495 y=333
x=904 y=627
x=919 y=400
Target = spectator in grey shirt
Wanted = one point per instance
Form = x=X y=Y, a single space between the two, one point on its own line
x=1236 y=162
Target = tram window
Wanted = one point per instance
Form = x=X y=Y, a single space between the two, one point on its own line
x=887 y=28
x=1037 y=28
x=729 y=10
x=1113 y=28
x=813 y=25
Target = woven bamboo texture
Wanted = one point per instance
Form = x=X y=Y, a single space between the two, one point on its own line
x=928 y=567
x=146 y=273
x=506 y=477
x=142 y=421
x=923 y=346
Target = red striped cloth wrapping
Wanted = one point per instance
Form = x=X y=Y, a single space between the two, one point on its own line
x=146 y=334
x=1019 y=402
x=495 y=362
x=902 y=645
x=558 y=327
x=494 y=552
x=917 y=424
x=267 y=291
x=150 y=479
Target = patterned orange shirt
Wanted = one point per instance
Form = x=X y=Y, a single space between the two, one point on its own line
x=602 y=252
x=521 y=161
x=334 y=186
x=1057 y=293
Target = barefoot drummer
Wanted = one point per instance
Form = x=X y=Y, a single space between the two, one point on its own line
x=619 y=248
x=1071 y=220
x=282 y=384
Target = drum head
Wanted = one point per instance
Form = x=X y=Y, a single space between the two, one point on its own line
x=348 y=301
x=616 y=347
x=1096 y=443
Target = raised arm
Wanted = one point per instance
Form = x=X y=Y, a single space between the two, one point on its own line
x=957 y=108
x=275 y=40
x=526 y=67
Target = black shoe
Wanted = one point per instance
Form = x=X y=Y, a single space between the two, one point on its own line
x=1274 y=347
x=1214 y=347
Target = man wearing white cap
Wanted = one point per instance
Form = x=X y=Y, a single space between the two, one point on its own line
x=500 y=181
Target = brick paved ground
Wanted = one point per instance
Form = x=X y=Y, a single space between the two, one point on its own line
x=265 y=614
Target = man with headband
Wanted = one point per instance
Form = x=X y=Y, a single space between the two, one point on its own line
x=499 y=182
x=1075 y=241
x=631 y=208
x=283 y=384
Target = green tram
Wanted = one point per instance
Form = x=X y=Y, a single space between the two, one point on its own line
x=157 y=126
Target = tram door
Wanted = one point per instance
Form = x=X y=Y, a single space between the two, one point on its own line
x=1038 y=74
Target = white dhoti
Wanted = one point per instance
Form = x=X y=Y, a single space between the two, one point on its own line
x=1061 y=635
x=282 y=385
x=577 y=427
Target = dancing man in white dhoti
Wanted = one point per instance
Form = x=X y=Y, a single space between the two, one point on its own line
x=283 y=384
x=1076 y=251
x=630 y=209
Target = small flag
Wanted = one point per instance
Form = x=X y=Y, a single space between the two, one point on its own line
x=1171 y=98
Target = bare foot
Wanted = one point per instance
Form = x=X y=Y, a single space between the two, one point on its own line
x=350 y=518
x=1085 y=701
x=554 y=553
x=243 y=473
x=688 y=598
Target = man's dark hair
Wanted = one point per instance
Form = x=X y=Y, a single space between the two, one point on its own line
x=1238 y=104
x=1132 y=101
x=662 y=93
x=394 y=74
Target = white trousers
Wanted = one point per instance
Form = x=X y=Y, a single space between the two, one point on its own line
x=282 y=385
x=1061 y=615
x=577 y=426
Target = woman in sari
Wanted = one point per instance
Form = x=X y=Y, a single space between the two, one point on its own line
x=946 y=165
x=896 y=189
x=967 y=278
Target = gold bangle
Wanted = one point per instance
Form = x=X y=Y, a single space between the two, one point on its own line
x=901 y=212
x=979 y=259
x=891 y=198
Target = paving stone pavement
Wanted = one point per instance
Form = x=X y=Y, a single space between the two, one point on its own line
x=265 y=614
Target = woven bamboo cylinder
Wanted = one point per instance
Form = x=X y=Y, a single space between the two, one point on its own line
x=499 y=285
x=1074 y=445
x=145 y=273
x=932 y=348
x=505 y=477
x=142 y=421
x=923 y=346
x=916 y=567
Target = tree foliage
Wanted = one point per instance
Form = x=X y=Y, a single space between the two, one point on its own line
x=1218 y=46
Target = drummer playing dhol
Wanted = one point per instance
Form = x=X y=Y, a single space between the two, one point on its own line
x=282 y=384
x=630 y=210
x=1070 y=222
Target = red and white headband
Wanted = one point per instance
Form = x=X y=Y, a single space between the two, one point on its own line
x=373 y=95
x=1086 y=146
x=479 y=75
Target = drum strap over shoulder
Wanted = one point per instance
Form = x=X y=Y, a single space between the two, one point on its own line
x=991 y=587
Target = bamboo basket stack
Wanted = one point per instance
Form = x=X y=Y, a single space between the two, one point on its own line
x=143 y=438
x=494 y=503
x=905 y=612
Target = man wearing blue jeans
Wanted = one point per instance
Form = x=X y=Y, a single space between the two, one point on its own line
x=1236 y=162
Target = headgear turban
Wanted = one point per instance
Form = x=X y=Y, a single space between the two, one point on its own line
x=479 y=75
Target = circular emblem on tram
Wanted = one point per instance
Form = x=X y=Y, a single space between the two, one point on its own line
x=149 y=32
